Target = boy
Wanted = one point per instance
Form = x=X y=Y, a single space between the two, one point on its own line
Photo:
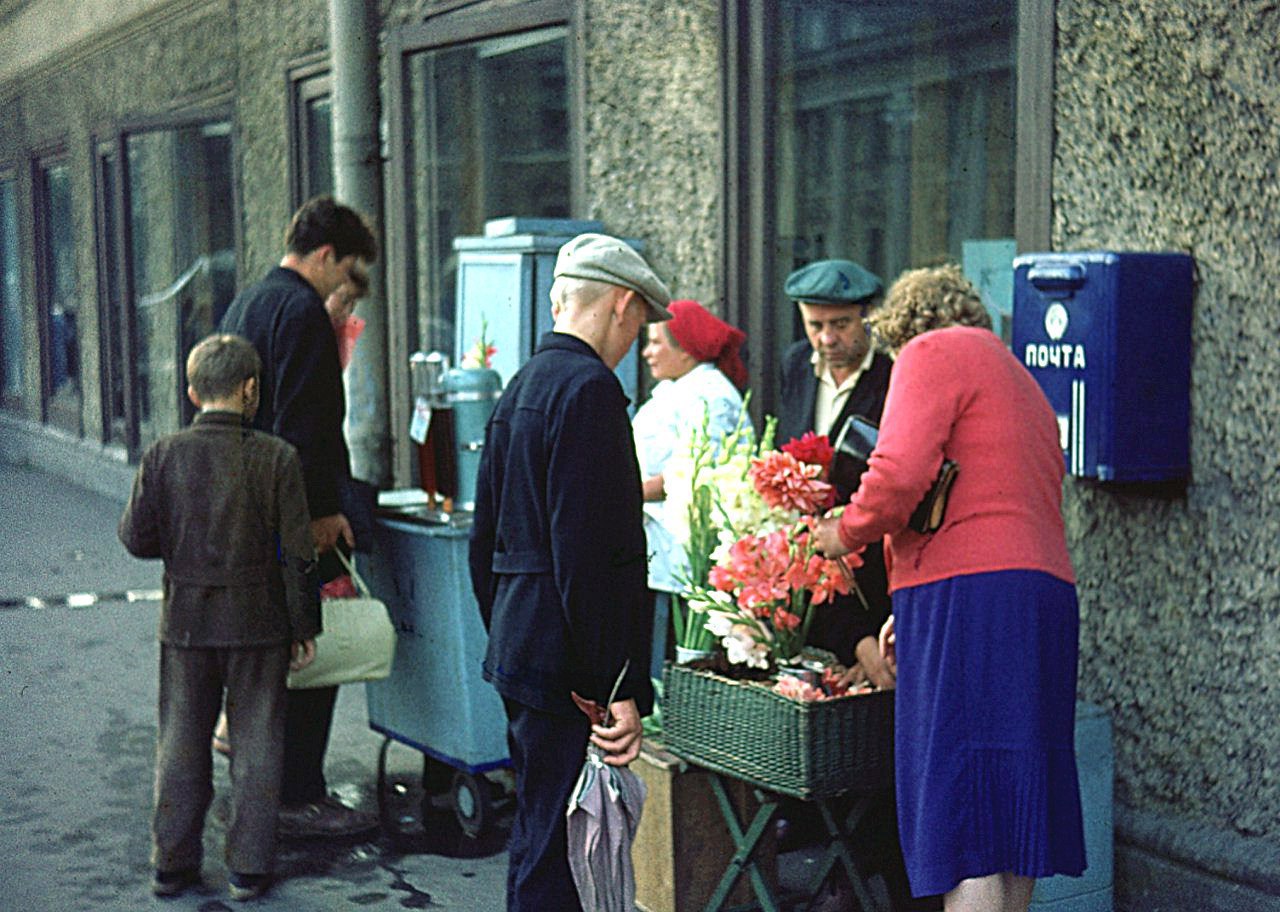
x=225 y=507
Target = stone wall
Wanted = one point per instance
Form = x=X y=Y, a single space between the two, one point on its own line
x=653 y=133
x=1168 y=138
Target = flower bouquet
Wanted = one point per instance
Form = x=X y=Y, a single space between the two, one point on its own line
x=480 y=355
x=767 y=575
x=751 y=513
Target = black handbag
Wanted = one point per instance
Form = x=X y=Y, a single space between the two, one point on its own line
x=853 y=447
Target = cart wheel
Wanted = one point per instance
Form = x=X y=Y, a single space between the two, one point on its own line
x=471 y=804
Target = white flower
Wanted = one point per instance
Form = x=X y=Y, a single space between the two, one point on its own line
x=742 y=647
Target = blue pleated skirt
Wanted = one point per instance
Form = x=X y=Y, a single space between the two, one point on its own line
x=984 y=728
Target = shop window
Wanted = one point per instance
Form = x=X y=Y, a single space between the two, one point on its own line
x=167 y=218
x=480 y=129
x=56 y=295
x=487 y=136
x=882 y=133
x=12 y=349
x=312 y=132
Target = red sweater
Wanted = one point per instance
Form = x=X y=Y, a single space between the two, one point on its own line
x=959 y=393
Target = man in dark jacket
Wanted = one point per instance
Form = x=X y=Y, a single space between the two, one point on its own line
x=283 y=315
x=557 y=554
x=832 y=374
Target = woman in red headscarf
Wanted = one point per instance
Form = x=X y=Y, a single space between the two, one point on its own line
x=695 y=358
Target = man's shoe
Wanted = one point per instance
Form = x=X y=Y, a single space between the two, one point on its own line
x=326 y=818
x=174 y=883
x=244 y=887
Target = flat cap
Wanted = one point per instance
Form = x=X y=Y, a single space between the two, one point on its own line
x=838 y=282
x=602 y=258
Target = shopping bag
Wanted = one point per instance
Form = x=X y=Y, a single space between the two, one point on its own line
x=358 y=642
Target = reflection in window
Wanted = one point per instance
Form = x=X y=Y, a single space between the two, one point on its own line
x=895 y=132
x=11 y=346
x=58 y=270
x=489 y=137
x=318 y=113
x=182 y=251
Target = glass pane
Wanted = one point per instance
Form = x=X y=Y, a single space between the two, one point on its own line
x=895 y=133
x=319 y=147
x=58 y=249
x=114 y=336
x=183 y=256
x=11 y=347
x=489 y=137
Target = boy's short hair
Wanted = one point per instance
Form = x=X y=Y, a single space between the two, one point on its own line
x=218 y=365
x=321 y=220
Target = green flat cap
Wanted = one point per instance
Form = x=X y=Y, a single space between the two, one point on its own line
x=602 y=258
x=839 y=282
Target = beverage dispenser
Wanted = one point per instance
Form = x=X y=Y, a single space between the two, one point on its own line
x=470 y=393
x=432 y=429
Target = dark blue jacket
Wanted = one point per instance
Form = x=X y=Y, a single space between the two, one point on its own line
x=557 y=549
x=302 y=397
x=799 y=394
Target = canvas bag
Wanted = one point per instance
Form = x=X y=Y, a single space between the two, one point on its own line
x=358 y=642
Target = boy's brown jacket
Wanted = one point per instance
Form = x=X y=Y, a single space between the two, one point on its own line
x=226 y=509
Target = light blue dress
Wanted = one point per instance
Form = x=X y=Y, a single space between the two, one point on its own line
x=664 y=423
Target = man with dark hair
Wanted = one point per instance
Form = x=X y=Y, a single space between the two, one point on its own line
x=283 y=315
x=234 y=620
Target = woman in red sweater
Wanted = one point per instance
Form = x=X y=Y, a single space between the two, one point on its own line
x=985 y=625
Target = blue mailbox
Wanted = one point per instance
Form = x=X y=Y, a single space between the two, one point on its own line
x=1107 y=336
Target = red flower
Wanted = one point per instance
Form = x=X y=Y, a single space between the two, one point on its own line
x=812 y=448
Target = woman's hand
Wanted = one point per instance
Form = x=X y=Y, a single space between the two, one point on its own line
x=654 y=488
x=827 y=534
x=888 y=646
x=620 y=741
x=874 y=666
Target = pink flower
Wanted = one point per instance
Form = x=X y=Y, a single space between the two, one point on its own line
x=793 y=688
x=784 y=481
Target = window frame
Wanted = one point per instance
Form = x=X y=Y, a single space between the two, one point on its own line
x=115 y=138
x=308 y=79
x=447 y=24
x=749 y=223
x=51 y=413
x=13 y=173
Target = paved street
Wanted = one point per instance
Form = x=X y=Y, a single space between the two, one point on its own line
x=77 y=735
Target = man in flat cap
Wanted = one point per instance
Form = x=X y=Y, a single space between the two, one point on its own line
x=557 y=554
x=831 y=375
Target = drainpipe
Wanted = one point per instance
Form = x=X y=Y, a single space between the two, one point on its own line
x=353 y=29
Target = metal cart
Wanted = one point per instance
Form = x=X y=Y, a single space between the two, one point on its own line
x=435 y=699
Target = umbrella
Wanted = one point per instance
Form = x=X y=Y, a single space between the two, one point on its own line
x=602 y=817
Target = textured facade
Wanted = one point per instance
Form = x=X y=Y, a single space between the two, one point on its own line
x=1168 y=138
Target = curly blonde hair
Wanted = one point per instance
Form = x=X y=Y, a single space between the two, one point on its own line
x=925 y=299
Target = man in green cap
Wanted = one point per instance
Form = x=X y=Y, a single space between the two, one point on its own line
x=831 y=375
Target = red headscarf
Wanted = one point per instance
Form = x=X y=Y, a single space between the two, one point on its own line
x=708 y=338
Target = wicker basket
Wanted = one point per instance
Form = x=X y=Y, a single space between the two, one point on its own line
x=805 y=750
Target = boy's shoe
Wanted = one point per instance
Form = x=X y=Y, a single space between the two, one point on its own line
x=173 y=883
x=244 y=887
x=327 y=817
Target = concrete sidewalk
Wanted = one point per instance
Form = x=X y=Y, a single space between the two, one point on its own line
x=77 y=737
